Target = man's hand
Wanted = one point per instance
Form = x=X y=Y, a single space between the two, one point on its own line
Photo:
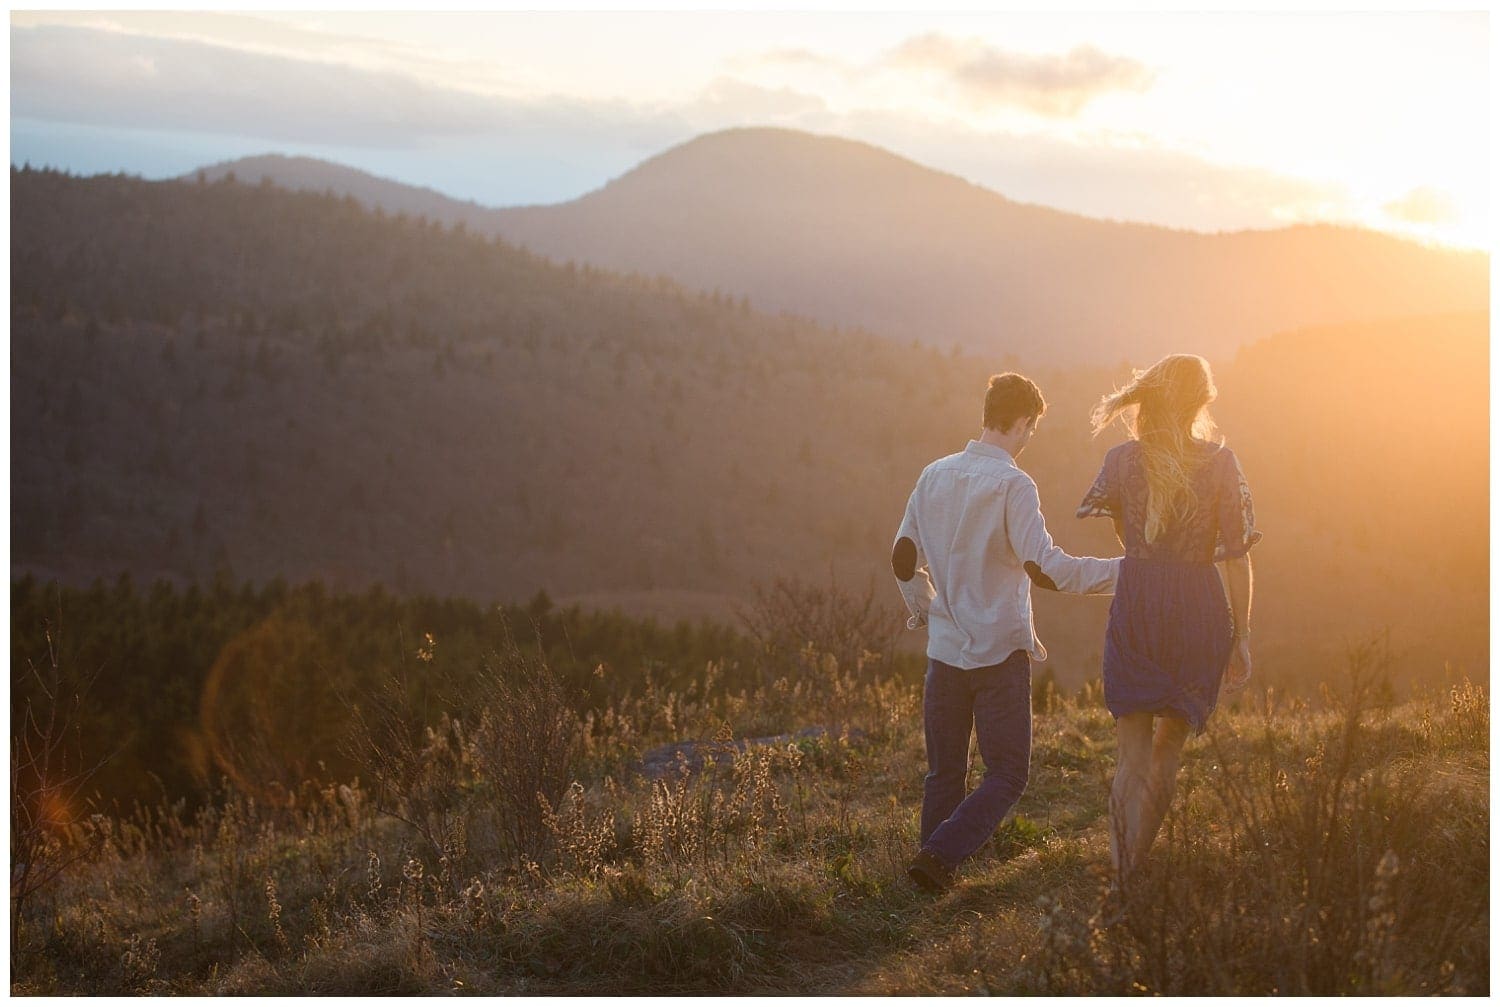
x=1039 y=578
x=1237 y=675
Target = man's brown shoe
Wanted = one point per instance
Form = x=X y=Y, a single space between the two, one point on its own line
x=929 y=873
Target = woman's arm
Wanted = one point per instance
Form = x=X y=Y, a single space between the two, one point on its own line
x=1239 y=585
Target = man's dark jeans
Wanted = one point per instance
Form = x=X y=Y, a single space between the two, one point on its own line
x=995 y=702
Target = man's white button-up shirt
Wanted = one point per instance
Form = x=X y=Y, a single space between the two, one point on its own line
x=975 y=519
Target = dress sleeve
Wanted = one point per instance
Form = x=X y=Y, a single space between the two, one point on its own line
x=1236 y=512
x=1101 y=499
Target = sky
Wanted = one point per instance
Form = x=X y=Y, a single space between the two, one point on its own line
x=1207 y=121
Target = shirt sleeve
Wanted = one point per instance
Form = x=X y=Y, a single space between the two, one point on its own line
x=1235 y=512
x=1031 y=542
x=909 y=563
x=1101 y=500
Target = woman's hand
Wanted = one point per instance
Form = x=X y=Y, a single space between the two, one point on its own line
x=1237 y=675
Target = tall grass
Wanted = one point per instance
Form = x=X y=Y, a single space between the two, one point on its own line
x=1342 y=852
x=513 y=847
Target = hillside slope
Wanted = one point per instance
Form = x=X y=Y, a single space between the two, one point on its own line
x=853 y=235
x=238 y=378
x=286 y=383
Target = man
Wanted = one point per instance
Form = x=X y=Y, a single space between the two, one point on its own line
x=973 y=528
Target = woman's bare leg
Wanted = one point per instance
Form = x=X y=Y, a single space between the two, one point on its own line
x=1128 y=793
x=1166 y=757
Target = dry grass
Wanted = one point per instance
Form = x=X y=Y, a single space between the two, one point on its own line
x=1332 y=850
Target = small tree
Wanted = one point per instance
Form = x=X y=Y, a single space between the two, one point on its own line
x=790 y=615
x=507 y=748
x=527 y=746
x=48 y=774
x=418 y=773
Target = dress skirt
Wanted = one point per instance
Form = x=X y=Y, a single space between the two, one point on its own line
x=1169 y=640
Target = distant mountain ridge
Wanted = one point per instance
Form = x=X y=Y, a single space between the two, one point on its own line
x=311 y=174
x=852 y=235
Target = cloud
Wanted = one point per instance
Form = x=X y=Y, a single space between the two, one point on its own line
x=1422 y=206
x=728 y=99
x=1057 y=86
x=114 y=79
x=251 y=33
x=795 y=57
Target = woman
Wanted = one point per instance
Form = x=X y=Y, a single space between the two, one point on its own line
x=1180 y=505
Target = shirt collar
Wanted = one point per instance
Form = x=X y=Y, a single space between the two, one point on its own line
x=989 y=451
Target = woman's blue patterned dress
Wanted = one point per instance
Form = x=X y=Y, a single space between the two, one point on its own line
x=1170 y=629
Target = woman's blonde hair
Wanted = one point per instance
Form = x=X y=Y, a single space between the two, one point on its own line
x=1165 y=407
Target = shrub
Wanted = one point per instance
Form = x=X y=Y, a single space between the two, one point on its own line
x=526 y=747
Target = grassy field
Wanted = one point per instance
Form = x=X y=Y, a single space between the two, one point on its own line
x=1329 y=846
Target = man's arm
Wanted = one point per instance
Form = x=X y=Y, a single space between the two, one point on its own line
x=1033 y=546
x=909 y=564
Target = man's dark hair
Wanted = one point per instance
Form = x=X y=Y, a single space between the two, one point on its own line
x=1011 y=397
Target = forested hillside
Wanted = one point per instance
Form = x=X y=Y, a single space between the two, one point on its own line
x=221 y=378
x=231 y=377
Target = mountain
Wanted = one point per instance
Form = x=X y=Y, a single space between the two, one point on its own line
x=219 y=377
x=309 y=174
x=854 y=236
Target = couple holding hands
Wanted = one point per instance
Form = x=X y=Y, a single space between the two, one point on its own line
x=972 y=544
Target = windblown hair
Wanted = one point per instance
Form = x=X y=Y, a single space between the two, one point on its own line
x=1165 y=407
